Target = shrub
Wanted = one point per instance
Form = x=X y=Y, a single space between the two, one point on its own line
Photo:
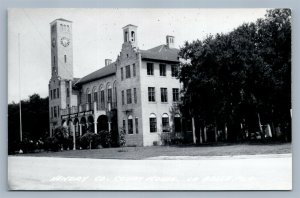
x=105 y=138
x=87 y=139
x=51 y=144
x=122 y=137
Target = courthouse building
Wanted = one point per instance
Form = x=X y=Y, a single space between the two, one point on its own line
x=136 y=93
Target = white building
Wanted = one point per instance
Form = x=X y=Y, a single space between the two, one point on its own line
x=136 y=92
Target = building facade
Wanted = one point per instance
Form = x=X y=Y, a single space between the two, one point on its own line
x=137 y=93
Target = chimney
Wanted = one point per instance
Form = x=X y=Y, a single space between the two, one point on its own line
x=170 y=41
x=107 y=62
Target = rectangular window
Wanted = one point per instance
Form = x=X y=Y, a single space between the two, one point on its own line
x=58 y=111
x=124 y=126
x=162 y=69
x=54 y=93
x=175 y=94
x=55 y=114
x=51 y=94
x=133 y=70
x=68 y=92
x=109 y=95
x=152 y=125
x=57 y=92
x=127 y=68
x=151 y=94
x=51 y=112
x=54 y=60
x=174 y=70
x=128 y=94
x=130 y=126
x=136 y=125
x=123 y=98
x=95 y=97
x=150 y=69
x=134 y=95
x=164 y=94
x=65 y=58
x=122 y=75
x=165 y=124
x=102 y=97
x=89 y=98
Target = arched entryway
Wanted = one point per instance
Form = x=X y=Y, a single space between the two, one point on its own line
x=76 y=126
x=83 y=125
x=91 y=124
x=102 y=123
x=177 y=123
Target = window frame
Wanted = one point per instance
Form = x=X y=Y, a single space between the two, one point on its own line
x=134 y=95
x=163 y=70
x=129 y=96
x=130 y=125
x=174 y=71
x=164 y=94
x=151 y=94
x=152 y=123
x=133 y=70
x=122 y=74
x=175 y=94
x=150 y=69
x=127 y=72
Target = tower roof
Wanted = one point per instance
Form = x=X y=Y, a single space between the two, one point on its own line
x=61 y=19
x=129 y=25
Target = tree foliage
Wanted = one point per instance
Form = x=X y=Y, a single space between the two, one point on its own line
x=238 y=79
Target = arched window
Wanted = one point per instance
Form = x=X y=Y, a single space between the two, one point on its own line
x=126 y=37
x=177 y=123
x=132 y=36
x=153 y=123
x=102 y=97
x=130 y=124
x=165 y=123
x=88 y=96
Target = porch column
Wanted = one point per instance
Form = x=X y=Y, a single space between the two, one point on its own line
x=74 y=139
x=80 y=130
x=109 y=126
x=95 y=127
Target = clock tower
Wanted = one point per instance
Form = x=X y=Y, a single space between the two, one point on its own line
x=62 y=49
x=61 y=94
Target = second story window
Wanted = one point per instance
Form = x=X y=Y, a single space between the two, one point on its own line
x=128 y=75
x=175 y=94
x=68 y=92
x=51 y=94
x=122 y=75
x=134 y=95
x=123 y=98
x=150 y=69
x=151 y=94
x=54 y=93
x=174 y=70
x=89 y=97
x=162 y=69
x=128 y=94
x=109 y=95
x=55 y=112
x=57 y=92
x=164 y=94
x=133 y=70
x=102 y=99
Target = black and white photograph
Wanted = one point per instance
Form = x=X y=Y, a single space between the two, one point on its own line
x=149 y=99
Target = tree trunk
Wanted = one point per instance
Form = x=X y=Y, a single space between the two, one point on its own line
x=205 y=134
x=226 y=133
x=216 y=133
x=200 y=135
x=194 y=132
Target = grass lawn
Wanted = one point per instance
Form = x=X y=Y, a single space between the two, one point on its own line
x=153 y=151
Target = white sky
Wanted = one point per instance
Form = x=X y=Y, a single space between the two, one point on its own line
x=97 y=34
